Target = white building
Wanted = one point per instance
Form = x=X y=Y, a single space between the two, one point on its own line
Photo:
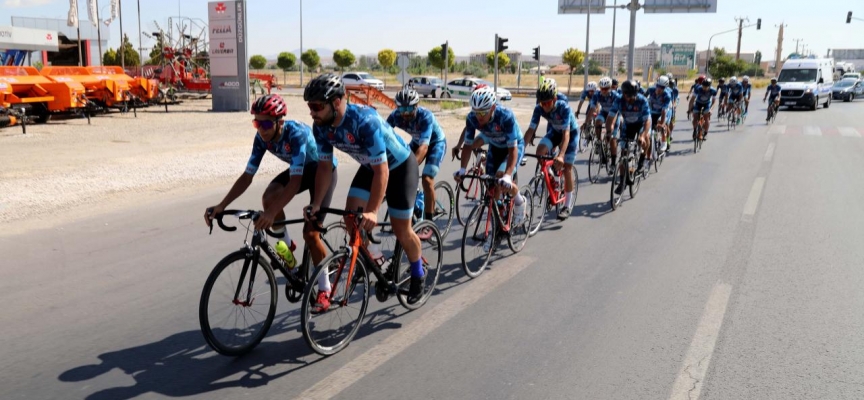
x=643 y=56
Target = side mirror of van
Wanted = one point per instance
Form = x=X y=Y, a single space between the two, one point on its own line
x=821 y=80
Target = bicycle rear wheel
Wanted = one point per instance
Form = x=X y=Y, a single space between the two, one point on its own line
x=478 y=240
x=615 y=199
x=330 y=331
x=519 y=234
x=445 y=207
x=539 y=203
x=431 y=246
x=238 y=303
x=596 y=163
x=469 y=193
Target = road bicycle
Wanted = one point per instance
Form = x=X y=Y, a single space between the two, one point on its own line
x=469 y=192
x=239 y=298
x=547 y=190
x=625 y=172
x=772 y=112
x=489 y=223
x=349 y=269
x=445 y=204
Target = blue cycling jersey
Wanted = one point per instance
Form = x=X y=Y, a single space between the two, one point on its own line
x=674 y=93
x=723 y=88
x=585 y=95
x=424 y=128
x=296 y=146
x=363 y=135
x=736 y=89
x=605 y=101
x=773 y=90
x=659 y=102
x=635 y=112
x=561 y=96
x=501 y=131
x=747 y=88
x=705 y=97
x=560 y=119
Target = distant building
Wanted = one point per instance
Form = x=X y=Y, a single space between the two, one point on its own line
x=847 y=54
x=643 y=56
x=68 y=54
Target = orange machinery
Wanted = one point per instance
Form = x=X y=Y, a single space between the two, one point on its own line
x=101 y=89
x=147 y=90
x=357 y=93
x=28 y=89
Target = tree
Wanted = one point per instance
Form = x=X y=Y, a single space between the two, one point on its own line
x=110 y=57
x=503 y=60
x=310 y=59
x=285 y=61
x=343 y=58
x=131 y=57
x=386 y=58
x=573 y=58
x=155 y=56
x=257 y=62
x=436 y=57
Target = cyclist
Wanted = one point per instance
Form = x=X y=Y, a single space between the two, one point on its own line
x=387 y=166
x=636 y=116
x=736 y=94
x=723 y=90
x=700 y=104
x=745 y=83
x=641 y=89
x=427 y=140
x=695 y=86
x=562 y=132
x=292 y=142
x=590 y=89
x=674 y=85
x=772 y=92
x=660 y=100
x=457 y=149
x=498 y=128
x=601 y=103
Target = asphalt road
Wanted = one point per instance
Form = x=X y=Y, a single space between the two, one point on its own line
x=734 y=274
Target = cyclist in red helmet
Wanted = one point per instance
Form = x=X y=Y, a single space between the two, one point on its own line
x=695 y=85
x=290 y=141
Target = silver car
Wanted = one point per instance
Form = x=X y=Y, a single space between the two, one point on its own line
x=426 y=85
x=847 y=89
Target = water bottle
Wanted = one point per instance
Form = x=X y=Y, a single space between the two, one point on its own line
x=287 y=253
x=419 y=203
x=376 y=254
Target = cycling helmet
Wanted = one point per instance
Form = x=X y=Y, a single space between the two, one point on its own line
x=628 y=88
x=745 y=79
x=733 y=80
x=271 y=105
x=605 y=82
x=700 y=79
x=614 y=82
x=324 y=88
x=483 y=99
x=773 y=80
x=548 y=90
x=592 y=86
x=407 y=97
x=670 y=76
x=707 y=82
x=663 y=81
x=480 y=86
x=721 y=80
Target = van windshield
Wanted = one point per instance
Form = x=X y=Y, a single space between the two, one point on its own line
x=797 y=75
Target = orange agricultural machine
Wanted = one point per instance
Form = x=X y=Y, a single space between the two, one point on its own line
x=365 y=95
x=102 y=90
x=39 y=97
x=145 y=90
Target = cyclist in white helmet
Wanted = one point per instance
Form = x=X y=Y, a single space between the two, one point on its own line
x=600 y=105
x=745 y=83
x=589 y=91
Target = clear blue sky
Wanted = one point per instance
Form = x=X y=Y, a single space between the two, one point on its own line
x=370 y=25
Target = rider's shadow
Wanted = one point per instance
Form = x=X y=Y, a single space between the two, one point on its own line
x=183 y=365
x=594 y=210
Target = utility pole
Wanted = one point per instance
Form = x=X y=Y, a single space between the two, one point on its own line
x=301 y=43
x=631 y=52
x=797 y=42
x=740 y=31
x=585 y=59
x=778 y=55
x=614 y=19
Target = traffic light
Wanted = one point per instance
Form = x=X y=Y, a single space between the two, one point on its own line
x=537 y=53
x=759 y=24
x=444 y=50
x=849 y=17
x=501 y=45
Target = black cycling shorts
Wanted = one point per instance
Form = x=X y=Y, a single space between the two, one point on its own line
x=308 y=183
x=631 y=131
x=401 y=187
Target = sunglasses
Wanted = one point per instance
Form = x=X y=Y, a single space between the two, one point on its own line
x=406 y=110
x=316 y=107
x=481 y=113
x=605 y=89
x=264 y=124
x=547 y=103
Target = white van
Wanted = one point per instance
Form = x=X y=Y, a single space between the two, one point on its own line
x=806 y=82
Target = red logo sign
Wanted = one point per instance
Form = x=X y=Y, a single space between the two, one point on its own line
x=220 y=8
x=49 y=37
x=287 y=147
x=350 y=138
x=221 y=45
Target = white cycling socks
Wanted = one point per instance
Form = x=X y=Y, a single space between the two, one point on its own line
x=519 y=199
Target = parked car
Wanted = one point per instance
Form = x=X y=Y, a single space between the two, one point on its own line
x=461 y=89
x=855 y=75
x=362 y=78
x=426 y=85
x=847 y=89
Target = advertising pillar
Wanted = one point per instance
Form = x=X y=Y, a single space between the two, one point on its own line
x=229 y=70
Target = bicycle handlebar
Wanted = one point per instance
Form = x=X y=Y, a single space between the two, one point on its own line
x=253 y=215
x=543 y=157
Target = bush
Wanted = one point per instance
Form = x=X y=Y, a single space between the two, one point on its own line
x=476 y=70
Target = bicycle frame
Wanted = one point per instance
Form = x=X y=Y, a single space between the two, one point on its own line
x=544 y=163
x=491 y=204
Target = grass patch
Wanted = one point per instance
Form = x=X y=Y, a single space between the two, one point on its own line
x=443 y=105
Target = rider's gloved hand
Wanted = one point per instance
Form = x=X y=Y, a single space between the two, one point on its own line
x=459 y=174
x=506 y=180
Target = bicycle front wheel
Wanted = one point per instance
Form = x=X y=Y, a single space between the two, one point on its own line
x=432 y=255
x=478 y=240
x=445 y=207
x=469 y=193
x=539 y=200
x=238 y=303
x=328 y=332
x=519 y=233
x=618 y=178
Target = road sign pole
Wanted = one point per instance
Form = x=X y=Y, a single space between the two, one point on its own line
x=631 y=52
x=495 y=56
x=587 y=36
x=446 y=63
x=612 y=70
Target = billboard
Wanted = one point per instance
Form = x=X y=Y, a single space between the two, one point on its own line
x=679 y=6
x=678 y=56
x=581 y=6
x=229 y=71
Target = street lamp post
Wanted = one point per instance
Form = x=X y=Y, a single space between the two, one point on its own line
x=301 y=43
x=708 y=52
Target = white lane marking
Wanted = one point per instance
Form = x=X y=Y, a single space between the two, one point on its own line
x=688 y=383
x=753 y=199
x=359 y=367
x=848 y=131
x=777 y=129
x=812 y=131
x=770 y=152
